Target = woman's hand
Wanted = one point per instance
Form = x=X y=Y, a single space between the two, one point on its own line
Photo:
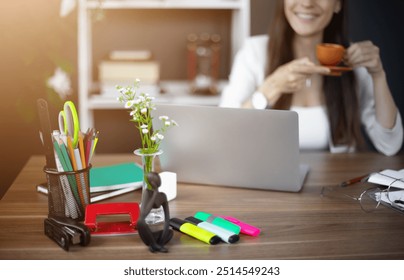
x=289 y=78
x=367 y=55
x=364 y=54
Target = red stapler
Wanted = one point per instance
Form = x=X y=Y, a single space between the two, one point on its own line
x=113 y=227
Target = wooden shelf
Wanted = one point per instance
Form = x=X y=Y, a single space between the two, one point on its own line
x=177 y=91
x=165 y=4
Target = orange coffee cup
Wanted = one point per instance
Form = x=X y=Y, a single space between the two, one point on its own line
x=330 y=54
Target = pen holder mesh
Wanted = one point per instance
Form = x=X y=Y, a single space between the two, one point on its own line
x=68 y=193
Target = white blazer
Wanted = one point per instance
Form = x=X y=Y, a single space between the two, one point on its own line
x=248 y=73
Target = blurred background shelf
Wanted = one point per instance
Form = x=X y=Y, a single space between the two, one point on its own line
x=165 y=4
x=176 y=91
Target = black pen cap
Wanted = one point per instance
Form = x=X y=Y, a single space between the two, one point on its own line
x=234 y=238
x=176 y=223
x=193 y=220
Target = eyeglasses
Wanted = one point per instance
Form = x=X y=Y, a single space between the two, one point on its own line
x=372 y=197
x=394 y=195
x=369 y=199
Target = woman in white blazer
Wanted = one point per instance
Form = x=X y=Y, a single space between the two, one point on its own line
x=280 y=71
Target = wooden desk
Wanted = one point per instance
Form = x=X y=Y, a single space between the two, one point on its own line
x=294 y=225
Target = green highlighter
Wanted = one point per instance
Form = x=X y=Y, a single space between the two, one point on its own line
x=217 y=221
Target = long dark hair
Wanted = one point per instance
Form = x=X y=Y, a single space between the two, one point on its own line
x=340 y=95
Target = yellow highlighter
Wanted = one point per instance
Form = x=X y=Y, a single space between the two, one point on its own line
x=194 y=231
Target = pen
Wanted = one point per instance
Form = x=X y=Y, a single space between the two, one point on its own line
x=70 y=150
x=194 y=231
x=68 y=167
x=354 y=180
x=226 y=235
x=75 y=168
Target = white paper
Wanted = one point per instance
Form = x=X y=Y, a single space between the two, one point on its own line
x=388 y=177
x=391 y=198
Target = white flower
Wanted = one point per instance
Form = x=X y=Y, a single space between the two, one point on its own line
x=60 y=83
x=159 y=136
x=124 y=91
x=129 y=104
x=174 y=123
x=140 y=106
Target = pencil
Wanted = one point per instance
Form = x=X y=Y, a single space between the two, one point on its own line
x=71 y=153
x=77 y=176
x=81 y=149
x=354 y=180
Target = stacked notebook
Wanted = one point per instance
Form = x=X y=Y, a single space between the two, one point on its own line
x=113 y=180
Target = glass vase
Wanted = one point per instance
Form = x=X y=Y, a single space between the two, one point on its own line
x=156 y=215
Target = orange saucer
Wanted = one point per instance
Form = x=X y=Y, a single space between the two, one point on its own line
x=338 y=70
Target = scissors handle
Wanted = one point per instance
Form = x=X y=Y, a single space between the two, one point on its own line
x=62 y=122
x=69 y=121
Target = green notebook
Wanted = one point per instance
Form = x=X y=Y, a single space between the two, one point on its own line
x=116 y=176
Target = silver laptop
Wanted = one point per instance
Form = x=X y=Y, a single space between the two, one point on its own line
x=246 y=148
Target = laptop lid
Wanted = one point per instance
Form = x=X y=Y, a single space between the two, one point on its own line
x=246 y=148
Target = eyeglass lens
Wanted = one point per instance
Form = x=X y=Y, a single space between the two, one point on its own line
x=370 y=199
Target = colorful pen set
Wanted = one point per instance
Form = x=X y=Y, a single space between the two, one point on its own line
x=224 y=234
x=80 y=146
x=71 y=159
x=74 y=158
x=72 y=151
x=212 y=229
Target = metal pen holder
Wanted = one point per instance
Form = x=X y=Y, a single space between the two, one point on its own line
x=68 y=193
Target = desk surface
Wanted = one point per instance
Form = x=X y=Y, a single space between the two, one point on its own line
x=294 y=225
